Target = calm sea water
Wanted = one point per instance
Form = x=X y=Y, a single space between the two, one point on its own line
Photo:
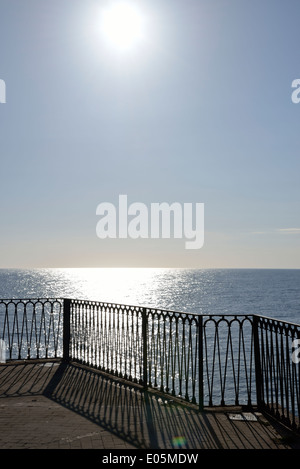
x=274 y=293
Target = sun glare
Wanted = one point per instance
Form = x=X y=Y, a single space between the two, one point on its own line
x=122 y=25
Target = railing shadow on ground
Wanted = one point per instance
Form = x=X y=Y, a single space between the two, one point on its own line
x=17 y=379
x=144 y=419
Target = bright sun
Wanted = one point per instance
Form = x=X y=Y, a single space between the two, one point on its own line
x=122 y=25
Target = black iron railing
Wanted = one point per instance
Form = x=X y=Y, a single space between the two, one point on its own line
x=278 y=369
x=208 y=360
x=31 y=328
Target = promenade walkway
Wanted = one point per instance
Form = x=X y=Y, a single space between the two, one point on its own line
x=49 y=405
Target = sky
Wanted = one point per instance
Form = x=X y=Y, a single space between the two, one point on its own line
x=197 y=110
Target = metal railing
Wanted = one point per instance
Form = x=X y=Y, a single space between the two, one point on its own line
x=31 y=328
x=278 y=369
x=208 y=360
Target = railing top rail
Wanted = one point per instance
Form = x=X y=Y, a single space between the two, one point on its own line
x=148 y=308
x=32 y=299
x=127 y=305
x=282 y=321
x=160 y=309
x=204 y=315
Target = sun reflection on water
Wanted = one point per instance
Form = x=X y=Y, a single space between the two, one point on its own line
x=135 y=286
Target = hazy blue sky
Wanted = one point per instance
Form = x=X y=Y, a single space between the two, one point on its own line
x=199 y=111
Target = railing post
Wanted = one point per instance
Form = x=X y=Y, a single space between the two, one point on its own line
x=66 y=329
x=257 y=358
x=145 y=347
x=200 y=358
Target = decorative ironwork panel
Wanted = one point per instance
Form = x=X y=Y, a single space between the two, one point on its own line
x=173 y=353
x=280 y=369
x=228 y=355
x=108 y=337
x=31 y=328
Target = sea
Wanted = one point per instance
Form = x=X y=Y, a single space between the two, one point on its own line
x=268 y=292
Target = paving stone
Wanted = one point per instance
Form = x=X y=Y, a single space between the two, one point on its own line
x=70 y=407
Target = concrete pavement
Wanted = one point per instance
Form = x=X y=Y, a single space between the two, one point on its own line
x=52 y=405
